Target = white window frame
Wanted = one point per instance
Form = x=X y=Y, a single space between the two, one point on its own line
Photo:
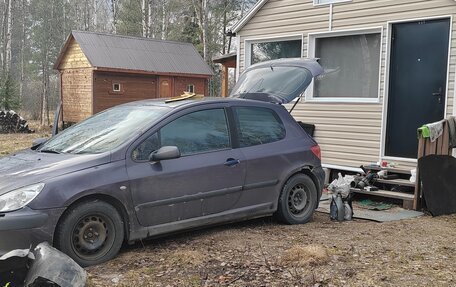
x=116 y=90
x=193 y=88
x=309 y=97
x=317 y=2
x=248 y=44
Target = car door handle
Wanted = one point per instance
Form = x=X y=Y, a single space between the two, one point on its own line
x=232 y=162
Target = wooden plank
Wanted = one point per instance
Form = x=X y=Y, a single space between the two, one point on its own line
x=399 y=181
x=417 y=194
x=386 y=194
x=446 y=141
x=388 y=169
x=440 y=141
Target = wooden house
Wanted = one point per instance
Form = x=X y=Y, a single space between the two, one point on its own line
x=389 y=68
x=98 y=71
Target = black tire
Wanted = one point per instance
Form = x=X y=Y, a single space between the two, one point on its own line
x=91 y=232
x=298 y=200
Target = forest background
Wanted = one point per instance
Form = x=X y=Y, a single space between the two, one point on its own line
x=32 y=33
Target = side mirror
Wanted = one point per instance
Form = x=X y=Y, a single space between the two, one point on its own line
x=36 y=143
x=164 y=153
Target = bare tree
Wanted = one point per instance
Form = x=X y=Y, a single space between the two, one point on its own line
x=144 y=17
x=7 y=27
x=202 y=12
x=114 y=12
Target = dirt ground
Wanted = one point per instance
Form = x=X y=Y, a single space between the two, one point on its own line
x=263 y=252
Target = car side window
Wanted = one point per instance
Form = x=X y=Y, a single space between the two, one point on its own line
x=258 y=126
x=143 y=151
x=197 y=132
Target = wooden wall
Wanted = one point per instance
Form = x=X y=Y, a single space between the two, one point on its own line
x=76 y=83
x=76 y=94
x=132 y=88
x=180 y=85
x=135 y=87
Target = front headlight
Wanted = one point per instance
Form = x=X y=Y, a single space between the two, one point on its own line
x=20 y=197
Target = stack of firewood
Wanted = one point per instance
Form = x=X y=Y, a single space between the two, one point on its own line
x=11 y=122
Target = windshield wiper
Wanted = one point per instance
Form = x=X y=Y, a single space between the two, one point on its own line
x=49 y=151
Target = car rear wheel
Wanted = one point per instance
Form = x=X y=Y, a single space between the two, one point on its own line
x=91 y=232
x=298 y=200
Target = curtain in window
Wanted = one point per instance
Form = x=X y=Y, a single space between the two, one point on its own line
x=351 y=65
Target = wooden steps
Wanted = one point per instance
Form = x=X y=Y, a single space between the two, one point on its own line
x=399 y=181
x=407 y=198
x=397 y=188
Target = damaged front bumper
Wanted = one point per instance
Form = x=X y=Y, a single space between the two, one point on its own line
x=25 y=228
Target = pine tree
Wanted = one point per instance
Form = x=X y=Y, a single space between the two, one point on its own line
x=9 y=97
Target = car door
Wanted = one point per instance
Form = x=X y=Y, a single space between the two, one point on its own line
x=260 y=135
x=206 y=179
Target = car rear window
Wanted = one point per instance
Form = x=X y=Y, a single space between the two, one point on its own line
x=258 y=126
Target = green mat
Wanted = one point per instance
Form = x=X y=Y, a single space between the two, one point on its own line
x=373 y=205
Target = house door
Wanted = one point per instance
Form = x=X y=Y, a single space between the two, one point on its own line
x=166 y=87
x=417 y=84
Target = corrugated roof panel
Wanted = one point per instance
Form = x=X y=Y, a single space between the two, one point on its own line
x=142 y=54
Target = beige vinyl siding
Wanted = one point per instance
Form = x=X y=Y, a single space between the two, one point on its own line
x=349 y=133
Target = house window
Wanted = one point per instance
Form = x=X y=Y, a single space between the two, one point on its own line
x=191 y=88
x=116 y=87
x=260 y=51
x=326 y=2
x=351 y=63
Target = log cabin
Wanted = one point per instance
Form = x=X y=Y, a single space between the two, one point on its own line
x=98 y=71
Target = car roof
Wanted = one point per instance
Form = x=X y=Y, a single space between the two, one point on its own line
x=195 y=102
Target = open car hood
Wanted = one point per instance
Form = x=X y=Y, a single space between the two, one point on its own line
x=277 y=81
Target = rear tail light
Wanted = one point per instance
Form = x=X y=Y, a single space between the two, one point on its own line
x=316 y=151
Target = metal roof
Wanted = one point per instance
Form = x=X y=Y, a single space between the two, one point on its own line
x=138 y=54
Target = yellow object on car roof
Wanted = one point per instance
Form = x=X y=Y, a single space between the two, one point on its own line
x=184 y=96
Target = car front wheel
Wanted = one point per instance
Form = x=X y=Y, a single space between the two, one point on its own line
x=298 y=200
x=91 y=232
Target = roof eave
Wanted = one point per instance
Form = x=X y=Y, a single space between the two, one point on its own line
x=120 y=70
x=241 y=23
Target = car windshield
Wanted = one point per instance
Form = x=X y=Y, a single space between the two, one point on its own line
x=104 y=131
x=281 y=81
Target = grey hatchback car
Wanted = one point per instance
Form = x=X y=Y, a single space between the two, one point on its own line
x=156 y=167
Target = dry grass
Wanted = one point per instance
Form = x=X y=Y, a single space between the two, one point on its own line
x=301 y=256
x=10 y=143
x=186 y=257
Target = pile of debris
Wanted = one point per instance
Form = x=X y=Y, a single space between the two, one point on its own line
x=43 y=266
x=11 y=122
